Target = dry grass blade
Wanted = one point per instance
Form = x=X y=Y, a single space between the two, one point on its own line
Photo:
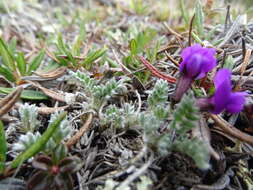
x=231 y=130
x=172 y=59
x=243 y=69
x=7 y=102
x=245 y=61
x=234 y=28
x=48 y=110
x=73 y=140
x=52 y=94
x=53 y=74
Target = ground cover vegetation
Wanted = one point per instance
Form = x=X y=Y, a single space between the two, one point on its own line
x=115 y=94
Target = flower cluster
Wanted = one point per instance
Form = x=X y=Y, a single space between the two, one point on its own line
x=196 y=62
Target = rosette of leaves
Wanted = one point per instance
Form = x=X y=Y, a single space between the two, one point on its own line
x=14 y=65
x=98 y=94
x=127 y=116
x=53 y=174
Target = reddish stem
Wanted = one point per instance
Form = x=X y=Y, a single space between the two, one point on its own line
x=157 y=73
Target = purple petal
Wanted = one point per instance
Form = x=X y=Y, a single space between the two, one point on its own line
x=220 y=98
x=190 y=50
x=236 y=102
x=221 y=76
x=197 y=61
x=194 y=65
x=186 y=53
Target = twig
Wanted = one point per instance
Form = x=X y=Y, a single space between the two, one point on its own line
x=172 y=31
x=231 y=130
x=190 y=31
x=167 y=48
x=171 y=59
x=73 y=140
x=227 y=19
x=139 y=101
x=123 y=67
x=244 y=65
x=7 y=102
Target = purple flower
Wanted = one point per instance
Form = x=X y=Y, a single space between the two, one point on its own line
x=197 y=61
x=224 y=98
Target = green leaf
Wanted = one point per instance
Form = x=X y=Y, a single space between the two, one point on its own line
x=60 y=44
x=7 y=73
x=62 y=47
x=93 y=56
x=197 y=38
x=21 y=63
x=229 y=63
x=144 y=38
x=76 y=48
x=38 y=146
x=12 y=46
x=7 y=58
x=185 y=116
x=133 y=47
x=34 y=65
x=26 y=94
x=3 y=148
x=199 y=19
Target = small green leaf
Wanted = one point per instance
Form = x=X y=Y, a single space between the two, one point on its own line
x=76 y=47
x=65 y=50
x=133 y=47
x=21 y=63
x=60 y=44
x=12 y=46
x=197 y=38
x=38 y=146
x=3 y=148
x=93 y=56
x=7 y=58
x=34 y=65
x=229 y=63
x=7 y=73
x=26 y=94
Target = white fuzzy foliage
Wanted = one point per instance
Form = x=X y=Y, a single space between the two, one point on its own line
x=28 y=115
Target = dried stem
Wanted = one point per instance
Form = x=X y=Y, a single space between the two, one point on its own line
x=231 y=130
x=7 y=102
x=73 y=140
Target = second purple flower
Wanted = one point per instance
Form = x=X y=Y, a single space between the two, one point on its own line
x=224 y=98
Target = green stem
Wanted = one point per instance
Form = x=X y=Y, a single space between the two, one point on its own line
x=35 y=148
x=3 y=148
